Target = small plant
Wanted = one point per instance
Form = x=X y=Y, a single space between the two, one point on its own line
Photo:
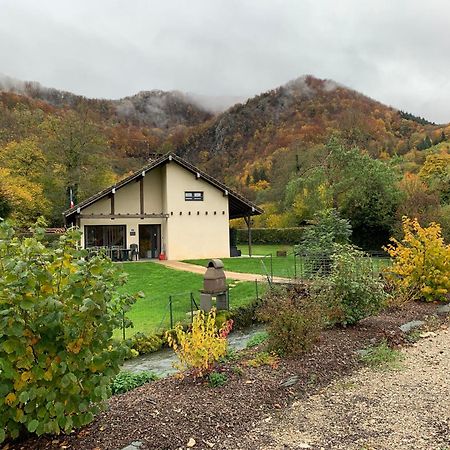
x=421 y=260
x=294 y=321
x=352 y=291
x=382 y=356
x=264 y=359
x=201 y=346
x=144 y=344
x=126 y=381
x=257 y=339
x=237 y=370
x=217 y=379
x=231 y=356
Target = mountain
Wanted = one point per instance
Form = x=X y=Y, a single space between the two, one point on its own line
x=293 y=119
x=156 y=109
x=258 y=146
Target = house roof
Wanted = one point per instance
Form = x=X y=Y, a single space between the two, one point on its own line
x=239 y=206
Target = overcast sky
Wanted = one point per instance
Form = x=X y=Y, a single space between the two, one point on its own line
x=396 y=51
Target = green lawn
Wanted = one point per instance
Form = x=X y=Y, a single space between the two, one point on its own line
x=151 y=313
x=281 y=266
x=262 y=250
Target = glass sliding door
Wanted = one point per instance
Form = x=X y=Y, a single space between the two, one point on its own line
x=105 y=236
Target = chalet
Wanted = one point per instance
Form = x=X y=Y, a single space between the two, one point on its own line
x=168 y=209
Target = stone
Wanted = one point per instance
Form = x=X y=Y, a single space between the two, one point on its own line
x=428 y=334
x=191 y=443
x=290 y=381
x=444 y=309
x=136 y=445
x=407 y=327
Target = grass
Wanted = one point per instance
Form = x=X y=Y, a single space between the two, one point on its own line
x=281 y=266
x=157 y=282
x=382 y=356
x=257 y=338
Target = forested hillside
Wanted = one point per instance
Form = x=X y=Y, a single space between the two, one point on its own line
x=307 y=145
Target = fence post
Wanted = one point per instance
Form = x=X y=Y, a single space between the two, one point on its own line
x=271 y=267
x=192 y=307
x=295 y=265
x=256 y=288
x=171 y=312
x=123 y=325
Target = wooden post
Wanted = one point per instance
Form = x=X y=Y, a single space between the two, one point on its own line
x=113 y=209
x=141 y=190
x=248 y=221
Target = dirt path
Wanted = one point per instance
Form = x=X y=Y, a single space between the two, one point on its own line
x=194 y=268
x=372 y=409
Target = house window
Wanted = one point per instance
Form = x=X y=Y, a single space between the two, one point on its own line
x=193 y=196
x=105 y=236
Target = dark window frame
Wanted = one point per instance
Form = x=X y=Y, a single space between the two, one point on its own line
x=102 y=233
x=194 y=196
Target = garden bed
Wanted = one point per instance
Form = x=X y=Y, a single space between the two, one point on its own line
x=166 y=414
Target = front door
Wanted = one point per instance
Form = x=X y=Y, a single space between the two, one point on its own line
x=149 y=241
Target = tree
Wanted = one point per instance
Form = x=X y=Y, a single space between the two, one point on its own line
x=77 y=152
x=21 y=198
x=364 y=190
x=436 y=173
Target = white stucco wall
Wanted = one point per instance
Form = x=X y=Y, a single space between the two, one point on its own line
x=204 y=233
x=193 y=229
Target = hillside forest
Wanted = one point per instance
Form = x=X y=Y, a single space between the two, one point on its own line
x=306 y=146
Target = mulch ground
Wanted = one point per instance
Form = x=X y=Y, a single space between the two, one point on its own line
x=166 y=414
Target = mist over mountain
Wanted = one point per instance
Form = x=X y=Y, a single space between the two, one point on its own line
x=256 y=145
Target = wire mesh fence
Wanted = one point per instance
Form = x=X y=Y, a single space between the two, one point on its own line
x=296 y=265
x=157 y=314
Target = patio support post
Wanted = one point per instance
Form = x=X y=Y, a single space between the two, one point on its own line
x=248 y=221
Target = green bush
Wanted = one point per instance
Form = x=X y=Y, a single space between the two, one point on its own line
x=294 y=321
x=352 y=291
x=126 y=381
x=318 y=242
x=245 y=316
x=289 y=236
x=217 y=379
x=144 y=343
x=58 y=311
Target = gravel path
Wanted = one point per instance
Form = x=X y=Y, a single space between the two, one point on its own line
x=403 y=409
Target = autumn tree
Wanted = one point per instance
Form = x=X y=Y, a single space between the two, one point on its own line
x=77 y=149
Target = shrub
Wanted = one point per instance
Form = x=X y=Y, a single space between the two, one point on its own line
x=421 y=260
x=294 y=321
x=261 y=236
x=217 y=379
x=319 y=239
x=126 y=381
x=257 y=338
x=245 y=316
x=58 y=312
x=352 y=291
x=144 y=343
x=201 y=346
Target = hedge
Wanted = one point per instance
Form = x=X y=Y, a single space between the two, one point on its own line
x=290 y=236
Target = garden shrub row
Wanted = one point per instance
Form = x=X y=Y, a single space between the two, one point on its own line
x=289 y=236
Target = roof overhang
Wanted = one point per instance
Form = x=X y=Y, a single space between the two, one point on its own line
x=238 y=205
